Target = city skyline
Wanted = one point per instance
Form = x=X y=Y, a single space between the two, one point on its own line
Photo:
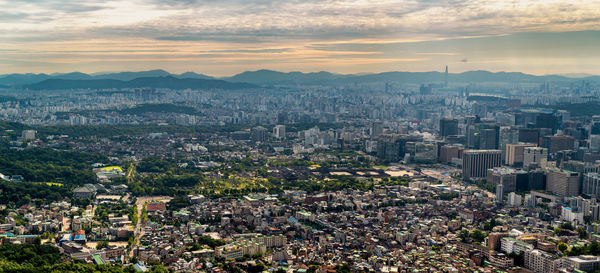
x=222 y=38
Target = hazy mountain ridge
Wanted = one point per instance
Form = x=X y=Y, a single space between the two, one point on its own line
x=30 y=78
x=151 y=82
x=270 y=77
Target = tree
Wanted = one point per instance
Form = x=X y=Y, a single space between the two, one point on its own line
x=582 y=233
x=567 y=225
x=557 y=231
x=562 y=247
x=342 y=268
x=101 y=244
x=477 y=235
x=463 y=235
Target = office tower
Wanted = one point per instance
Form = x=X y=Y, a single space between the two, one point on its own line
x=534 y=157
x=448 y=127
x=514 y=200
x=450 y=152
x=480 y=109
x=529 y=135
x=279 y=131
x=483 y=136
x=488 y=139
x=555 y=144
x=508 y=135
x=595 y=143
x=562 y=182
x=392 y=147
x=515 y=153
x=501 y=175
x=376 y=129
x=546 y=120
x=477 y=162
x=258 y=134
x=499 y=193
x=537 y=180
x=591 y=184
x=595 y=128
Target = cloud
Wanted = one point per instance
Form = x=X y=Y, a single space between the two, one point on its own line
x=315 y=30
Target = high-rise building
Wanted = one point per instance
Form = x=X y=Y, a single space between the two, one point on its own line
x=488 y=139
x=534 y=157
x=477 y=162
x=591 y=184
x=562 y=182
x=483 y=136
x=547 y=120
x=450 y=152
x=499 y=193
x=595 y=143
x=448 y=127
x=515 y=153
x=393 y=147
x=529 y=135
x=258 y=134
x=376 y=129
x=279 y=131
x=501 y=175
x=514 y=200
x=446 y=77
x=508 y=135
x=555 y=144
x=540 y=261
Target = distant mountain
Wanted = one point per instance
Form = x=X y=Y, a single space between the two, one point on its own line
x=192 y=75
x=152 y=82
x=270 y=77
x=73 y=76
x=18 y=79
x=23 y=79
x=127 y=76
x=263 y=77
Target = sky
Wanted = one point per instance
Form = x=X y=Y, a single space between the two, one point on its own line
x=224 y=37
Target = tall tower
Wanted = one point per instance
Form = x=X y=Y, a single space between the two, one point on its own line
x=446 y=77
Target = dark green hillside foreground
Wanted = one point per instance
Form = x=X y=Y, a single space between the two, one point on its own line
x=46 y=258
x=49 y=165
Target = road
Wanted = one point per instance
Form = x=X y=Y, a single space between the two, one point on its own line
x=139 y=231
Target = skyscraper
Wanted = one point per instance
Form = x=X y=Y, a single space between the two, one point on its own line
x=499 y=193
x=448 y=127
x=561 y=182
x=279 y=131
x=477 y=162
x=515 y=153
x=446 y=77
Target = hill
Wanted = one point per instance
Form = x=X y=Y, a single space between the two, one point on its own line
x=151 y=82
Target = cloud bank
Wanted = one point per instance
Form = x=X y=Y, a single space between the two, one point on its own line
x=226 y=36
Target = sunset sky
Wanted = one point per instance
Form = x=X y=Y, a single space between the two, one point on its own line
x=224 y=37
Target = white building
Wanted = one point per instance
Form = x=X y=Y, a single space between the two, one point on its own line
x=279 y=131
x=514 y=200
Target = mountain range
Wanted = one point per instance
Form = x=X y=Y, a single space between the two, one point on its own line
x=169 y=82
x=250 y=79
